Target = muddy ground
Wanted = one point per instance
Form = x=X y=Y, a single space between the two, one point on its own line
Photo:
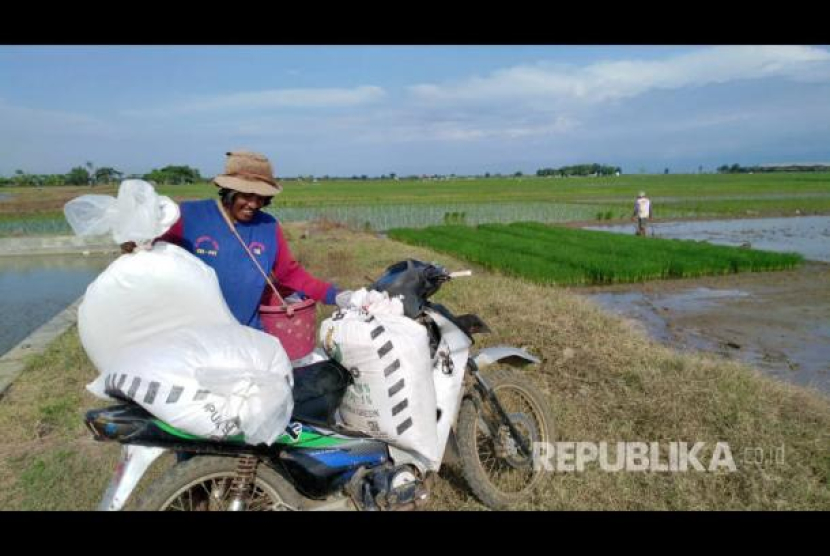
x=778 y=322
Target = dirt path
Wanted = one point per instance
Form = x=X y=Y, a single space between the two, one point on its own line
x=779 y=322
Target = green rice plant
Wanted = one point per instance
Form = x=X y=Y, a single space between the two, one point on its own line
x=557 y=255
x=14 y=226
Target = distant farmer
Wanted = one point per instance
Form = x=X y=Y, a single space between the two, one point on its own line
x=642 y=212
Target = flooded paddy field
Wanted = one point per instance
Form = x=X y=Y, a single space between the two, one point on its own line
x=33 y=289
x=778 y=322
x=808 y=235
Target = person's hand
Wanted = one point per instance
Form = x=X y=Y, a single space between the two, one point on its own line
x=128 y=247
x=342 y=299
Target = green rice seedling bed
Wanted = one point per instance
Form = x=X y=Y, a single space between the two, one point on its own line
x=565 y=256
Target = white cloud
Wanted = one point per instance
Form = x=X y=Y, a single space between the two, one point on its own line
x=21 y=120
x=604 y=81
x=270 y=99
x=473 y=131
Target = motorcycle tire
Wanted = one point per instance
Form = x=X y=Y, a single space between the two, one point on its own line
x=203 y=484
x=496 y=472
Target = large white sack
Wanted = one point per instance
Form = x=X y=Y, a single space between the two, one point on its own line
x=214 y=381
x=393 y=395
x=146 y=293
x=139 y=214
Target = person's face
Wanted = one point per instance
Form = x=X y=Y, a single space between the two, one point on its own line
x=245 y=206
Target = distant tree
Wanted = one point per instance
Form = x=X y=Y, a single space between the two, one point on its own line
x=78 y=176
x=666 y=171
x=487 y=174
x=175 y=175
x=107 y=175
x=735 y=168
x=22 y=178
x=517 y=174
x=54 y=180
x=700 y=169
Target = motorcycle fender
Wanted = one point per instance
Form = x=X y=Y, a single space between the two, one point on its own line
x=509 y=354
x=134 y=462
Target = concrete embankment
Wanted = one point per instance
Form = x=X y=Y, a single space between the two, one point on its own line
x=14 y=361
x=56 y=245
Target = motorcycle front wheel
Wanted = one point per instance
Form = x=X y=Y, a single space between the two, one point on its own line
x=204 y=484
x=497 y=472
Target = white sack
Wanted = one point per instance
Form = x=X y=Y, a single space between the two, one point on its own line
x=146 y=293
x=213 y=381
x=393 y=394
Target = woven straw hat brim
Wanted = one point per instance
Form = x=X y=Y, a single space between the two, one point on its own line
x=247 y=186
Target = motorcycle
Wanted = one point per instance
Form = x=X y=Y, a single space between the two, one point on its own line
x=489 y=419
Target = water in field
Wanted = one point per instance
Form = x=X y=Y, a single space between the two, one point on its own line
x=34 y=289
x=778 y=323
x=808 y=235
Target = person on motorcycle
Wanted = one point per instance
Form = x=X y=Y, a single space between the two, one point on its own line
x=246 y=187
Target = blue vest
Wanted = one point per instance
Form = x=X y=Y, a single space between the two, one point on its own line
x=206 y=235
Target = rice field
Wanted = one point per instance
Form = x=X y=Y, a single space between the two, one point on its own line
x=385 y=217
x=34 y=225
x=565 y=256
x=412 y=203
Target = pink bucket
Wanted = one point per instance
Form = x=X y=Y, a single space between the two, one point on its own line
x=296 y=332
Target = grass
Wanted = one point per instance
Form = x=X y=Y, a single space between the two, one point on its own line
x=385 y=204
x=565 y=256
x=604 y=380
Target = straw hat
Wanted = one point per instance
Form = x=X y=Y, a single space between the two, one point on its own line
x=248 y=172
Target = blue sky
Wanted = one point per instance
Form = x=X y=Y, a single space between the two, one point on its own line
x=344 y=110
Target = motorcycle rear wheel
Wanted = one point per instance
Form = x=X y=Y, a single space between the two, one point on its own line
x=497 y=473
x=203 y=484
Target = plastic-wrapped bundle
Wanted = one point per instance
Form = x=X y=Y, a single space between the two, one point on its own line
x=139 y=214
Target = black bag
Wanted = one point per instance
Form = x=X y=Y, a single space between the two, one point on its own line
x=318 y=390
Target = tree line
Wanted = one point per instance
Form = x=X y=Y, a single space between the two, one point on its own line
x=738 y=169
x=580 y=170
x=89 y=175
